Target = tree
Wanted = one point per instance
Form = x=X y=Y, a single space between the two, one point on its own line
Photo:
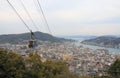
x=34 y=66
x=11 y=65
x=114 y=69
x=3 y=62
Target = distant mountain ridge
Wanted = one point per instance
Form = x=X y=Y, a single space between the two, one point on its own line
x=79 y=36
x=104 y=41
x=15 y=38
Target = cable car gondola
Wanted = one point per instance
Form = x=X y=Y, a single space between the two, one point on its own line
x=32 y=41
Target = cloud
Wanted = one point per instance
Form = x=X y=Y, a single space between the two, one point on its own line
x=89 y=11
x=87 y=29
x=68 y=16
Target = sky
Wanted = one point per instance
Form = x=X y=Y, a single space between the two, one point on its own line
x=65 y=17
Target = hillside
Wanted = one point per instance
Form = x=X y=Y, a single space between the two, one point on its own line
x=104 y=41
x=15 y=38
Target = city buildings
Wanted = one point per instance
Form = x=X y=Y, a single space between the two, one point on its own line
x=81 y=60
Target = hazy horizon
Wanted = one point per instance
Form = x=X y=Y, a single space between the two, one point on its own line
x=76 y=35
x=65 y=17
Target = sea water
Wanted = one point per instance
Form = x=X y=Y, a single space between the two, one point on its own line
x=112 y=50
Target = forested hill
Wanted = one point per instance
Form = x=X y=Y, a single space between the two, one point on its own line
x=15 y=38
x=105 y=41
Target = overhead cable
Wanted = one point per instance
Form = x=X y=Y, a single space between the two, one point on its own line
x=44 y=16
x=29 y=15
x=18 y=15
